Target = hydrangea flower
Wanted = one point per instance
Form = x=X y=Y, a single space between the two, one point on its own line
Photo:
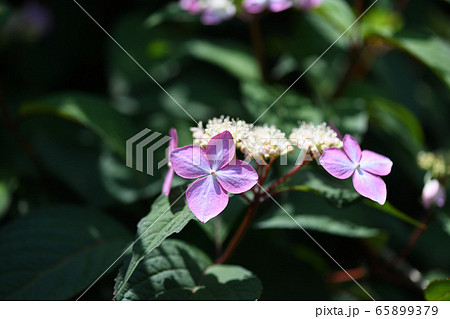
x=266 y=142
x=433 y=194
x=213 y=11
x=173 y=143
x=308 y=136
x=308 y=4
x=191 y=6
x=257 y=6
x=216 y=11
x=239 y=130
x=218 y=172
x=366 y=168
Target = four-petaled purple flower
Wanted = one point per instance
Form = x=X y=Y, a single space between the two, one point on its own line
x=173 y=143
x=220 y=174
x=366 y=168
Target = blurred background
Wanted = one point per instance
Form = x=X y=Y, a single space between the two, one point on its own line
x=70 y=98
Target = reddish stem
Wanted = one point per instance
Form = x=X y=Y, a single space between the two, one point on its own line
x=235 y=241
x=282 y=179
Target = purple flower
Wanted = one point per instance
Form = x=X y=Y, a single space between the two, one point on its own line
x=366 y=168
x=254 y=6
x=308 y=4
x=257 y=6
x=191 y=6
x=433 y=194
x=220 y=174
x=279 y=5
x=173 y=143
x=217 y=11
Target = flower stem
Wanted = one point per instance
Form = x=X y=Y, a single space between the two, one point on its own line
x=258 y=46
x=282 y=179
x=235 y=241
x=260 y=196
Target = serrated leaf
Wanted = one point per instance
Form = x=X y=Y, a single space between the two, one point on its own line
x=178 y=271
x=227 y=282
x=168 y=215
x=431 y=50
x=91 y=111
x=55 y=253
x=438 y=290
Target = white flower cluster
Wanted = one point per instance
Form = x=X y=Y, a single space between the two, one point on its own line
x=256 y=141
x=238 y=128
x=266 y=142
x=310 y=136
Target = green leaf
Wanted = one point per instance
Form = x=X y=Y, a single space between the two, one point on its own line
x=227 y=282
x=178 y=271
x=381 y=21
x=397 y=121
x=445 y=222
x=6 y=188
x=338 y=192
x=125 y=184
x=168 y=215
x=55 y=253
x=313 y=213
x=91 y=111
x=172 y=12
x=391 y=210
x=285 y=113
x=350 y=116
x=431 y=50
x=320 y=223
x=229 y=56
x=332 y=18
x=307 y=207
x=438 y=290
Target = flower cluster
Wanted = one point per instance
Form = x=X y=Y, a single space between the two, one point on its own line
x=257 y=6
x=258 y=142
x=438 y=164
x=215 y=11
x=238 y=128
x=212 y=161
x=308 y=136
x=266 y=142
x=212 y=11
